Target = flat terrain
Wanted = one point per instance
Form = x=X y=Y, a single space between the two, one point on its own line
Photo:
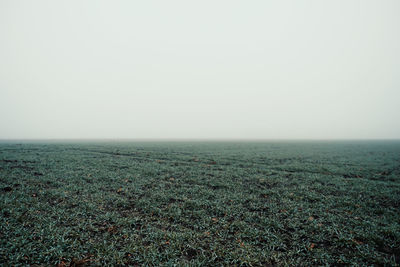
x=166 y=203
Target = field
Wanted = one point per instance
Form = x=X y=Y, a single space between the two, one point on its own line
x=200 y=203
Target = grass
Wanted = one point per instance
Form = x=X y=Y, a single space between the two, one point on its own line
x=176 y=203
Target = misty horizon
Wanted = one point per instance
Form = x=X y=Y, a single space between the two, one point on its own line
x=176 y=70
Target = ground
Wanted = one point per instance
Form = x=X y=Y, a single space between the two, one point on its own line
x=200 y=203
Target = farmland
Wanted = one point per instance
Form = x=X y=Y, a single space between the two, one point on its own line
x=200 y=203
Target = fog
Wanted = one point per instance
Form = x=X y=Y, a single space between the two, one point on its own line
x=199 y=69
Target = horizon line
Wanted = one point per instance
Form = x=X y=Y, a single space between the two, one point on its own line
x=190 y=139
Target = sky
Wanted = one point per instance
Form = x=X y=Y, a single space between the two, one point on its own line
x=220 y=69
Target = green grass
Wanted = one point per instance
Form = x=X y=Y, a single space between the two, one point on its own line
x=176 y=203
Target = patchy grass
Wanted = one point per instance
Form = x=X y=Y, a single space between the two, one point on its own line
x=293 y=203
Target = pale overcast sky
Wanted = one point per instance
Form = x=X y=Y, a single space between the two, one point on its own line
x=200 y=69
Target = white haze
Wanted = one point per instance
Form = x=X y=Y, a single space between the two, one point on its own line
x=200 y=69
